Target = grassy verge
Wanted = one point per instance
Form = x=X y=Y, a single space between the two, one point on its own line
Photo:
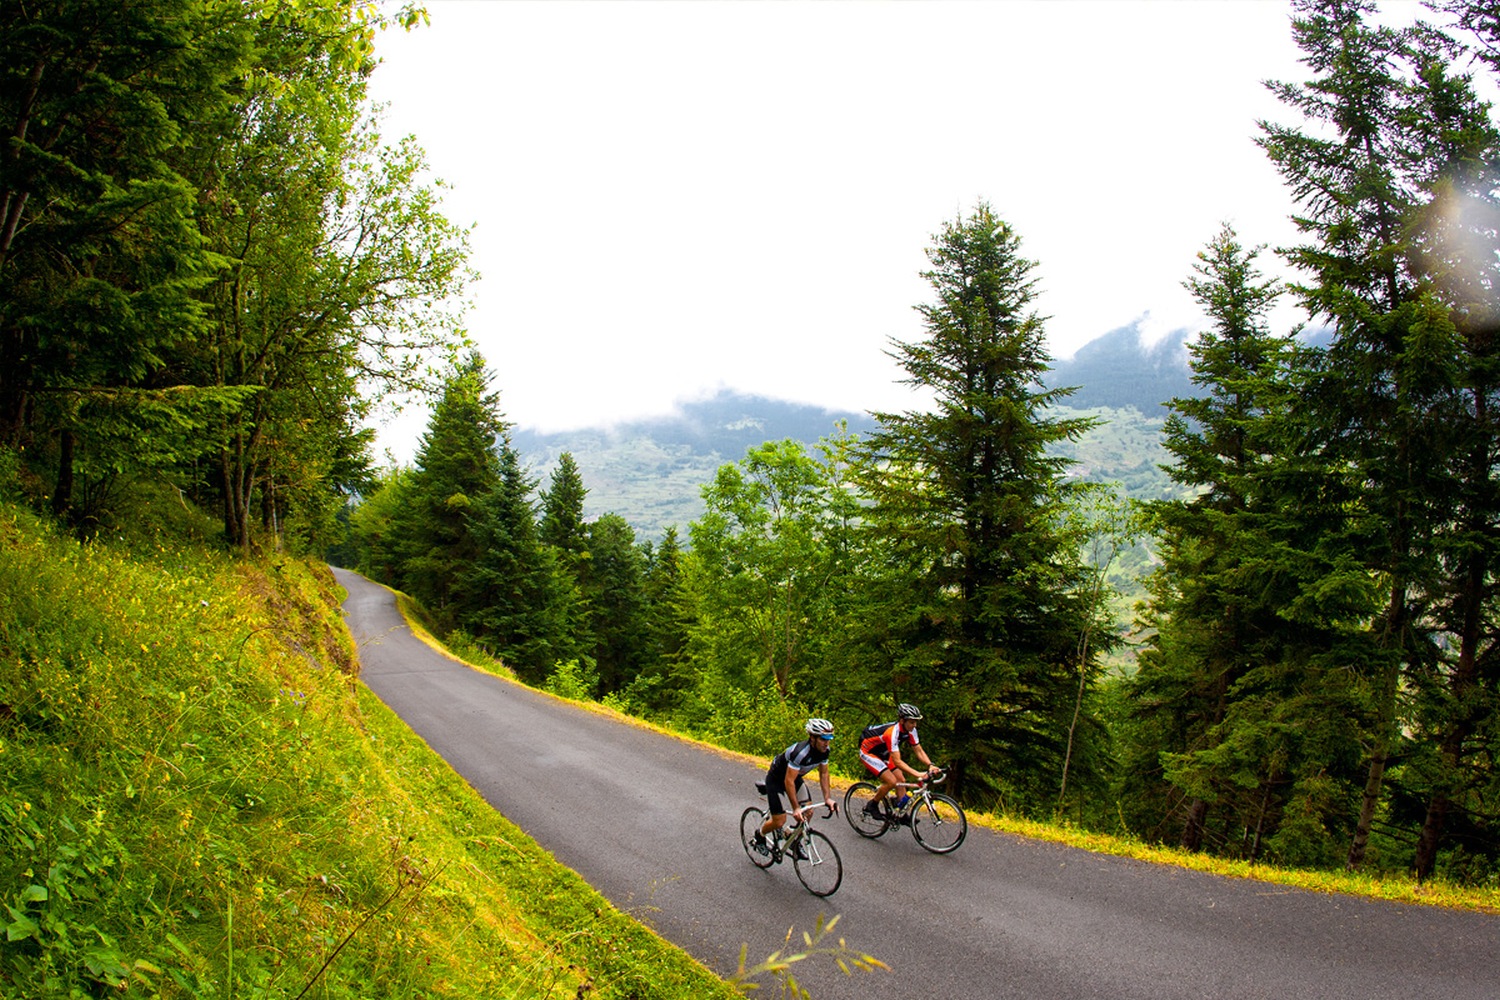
x=199 y=801
x=1396 y=888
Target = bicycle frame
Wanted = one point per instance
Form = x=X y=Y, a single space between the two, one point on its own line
x=798 y=826
x=921 y=794
x=943 y=825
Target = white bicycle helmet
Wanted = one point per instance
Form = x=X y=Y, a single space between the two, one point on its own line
x=908 y=711
x=820 y=727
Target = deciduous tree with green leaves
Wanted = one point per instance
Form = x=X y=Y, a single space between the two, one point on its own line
x=768 y=566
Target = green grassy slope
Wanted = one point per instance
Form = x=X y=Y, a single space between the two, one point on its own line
x=200 y=801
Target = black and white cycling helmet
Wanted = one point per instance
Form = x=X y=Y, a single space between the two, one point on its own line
x=908 y=711
x=820 y=727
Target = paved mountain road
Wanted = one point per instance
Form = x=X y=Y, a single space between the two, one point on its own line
x=652 y=823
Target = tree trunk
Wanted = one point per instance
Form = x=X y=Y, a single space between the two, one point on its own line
x=1260 y=820
x=1394 y=646
x=1461 y=725
x=1375 y=778
x=1192 y=830
x=237 y=485
x=62 y=493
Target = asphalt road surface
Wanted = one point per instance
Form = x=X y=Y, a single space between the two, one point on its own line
x=653 y=823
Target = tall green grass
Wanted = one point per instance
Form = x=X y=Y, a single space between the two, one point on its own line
x=199 y=801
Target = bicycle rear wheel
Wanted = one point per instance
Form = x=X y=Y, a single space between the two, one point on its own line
x=939 y=824
x=818 y=864
x=750 y=823
x=860 y=795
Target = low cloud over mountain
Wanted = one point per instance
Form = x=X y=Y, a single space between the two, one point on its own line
x=651 y=471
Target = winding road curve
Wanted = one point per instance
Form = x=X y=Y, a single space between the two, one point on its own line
x=652 y=823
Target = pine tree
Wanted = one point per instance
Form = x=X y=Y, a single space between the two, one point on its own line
x=1235 y=698
x=662 y=680
x=517 y=598
x=562 y=509
x=613 y=584
x=1384 y=414
x=457 y=466
x=1457 y=259
x=100 y=262
x=980 y=615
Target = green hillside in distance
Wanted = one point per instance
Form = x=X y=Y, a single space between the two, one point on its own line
x=650 y=472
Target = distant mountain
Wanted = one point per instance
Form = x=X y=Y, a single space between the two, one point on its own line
x=1117 y=370
x=651 y=472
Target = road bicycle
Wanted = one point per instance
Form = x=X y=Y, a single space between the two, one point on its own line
x=937 y=821
x=813 y=855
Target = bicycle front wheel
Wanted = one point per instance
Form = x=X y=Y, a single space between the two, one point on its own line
x=866 y=824
x=751 y=821
x=818 y=864
x=939 y=824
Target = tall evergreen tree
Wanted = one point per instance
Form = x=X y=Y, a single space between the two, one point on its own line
x=457 y=466
x=662 y=680
x=1457 y=261
x=562 y=509
x=612 y=580
x=980 y=616
x=517 y=598
x=1238 y=694
x=205 y=249
x=100 y=263
x=1384 y=410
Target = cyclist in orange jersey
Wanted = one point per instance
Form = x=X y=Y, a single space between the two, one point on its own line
x=880 y=752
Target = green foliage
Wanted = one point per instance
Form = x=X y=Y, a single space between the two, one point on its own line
x=458 y=466
x=1397 y=176
x=374 y=527
x=209 y=262
x=562 y=525
x=770 y=566
x=757 y=721
x=612 y=581
x=517 y=596
x=574 y=680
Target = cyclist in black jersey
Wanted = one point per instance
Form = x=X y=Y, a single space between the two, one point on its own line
x=786 y=773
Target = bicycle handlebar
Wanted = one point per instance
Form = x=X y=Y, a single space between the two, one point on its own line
x=936 y=779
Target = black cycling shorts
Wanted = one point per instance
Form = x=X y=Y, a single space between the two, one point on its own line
x=775 y=789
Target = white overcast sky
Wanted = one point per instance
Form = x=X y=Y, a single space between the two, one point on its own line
x=676 y=197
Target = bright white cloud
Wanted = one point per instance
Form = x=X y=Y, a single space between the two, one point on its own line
x=673 y=197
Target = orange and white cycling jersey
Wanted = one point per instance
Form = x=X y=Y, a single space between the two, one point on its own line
x=881 y=741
